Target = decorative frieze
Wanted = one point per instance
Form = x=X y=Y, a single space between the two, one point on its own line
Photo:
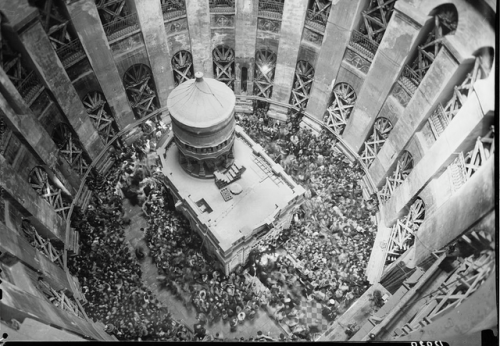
x=313 y=37
x=268 y=25
x=355 y=60
x=222 y=21
x=177 y=26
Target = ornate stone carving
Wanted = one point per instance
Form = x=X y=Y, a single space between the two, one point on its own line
x=222 y=21
x=313 y=37
x=268 y=25
x=354 y=59
x=176 y=26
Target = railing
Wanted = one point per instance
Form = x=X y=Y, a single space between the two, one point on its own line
x=105 y=3
x=70 y=53
x=316 y=20
x=362 y=44
x=221 y=6
x=132 y=126
x=412 y=75
x=121 y=26
x=271 y=9
x=172 y=10
x=29 y=87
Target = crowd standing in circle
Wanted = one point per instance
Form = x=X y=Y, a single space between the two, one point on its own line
x=331 y=237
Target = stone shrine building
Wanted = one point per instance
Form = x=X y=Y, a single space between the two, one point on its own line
x=234 y=195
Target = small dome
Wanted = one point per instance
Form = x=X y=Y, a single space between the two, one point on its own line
x=201 y=102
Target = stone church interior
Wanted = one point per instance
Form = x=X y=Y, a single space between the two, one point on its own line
x=248 y=170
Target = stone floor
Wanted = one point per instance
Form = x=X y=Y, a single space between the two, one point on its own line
x=262 y=321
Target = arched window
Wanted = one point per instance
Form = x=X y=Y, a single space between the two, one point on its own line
x=444 y=113
x=265 y=63
x=404 y=230
x=340 y=110
x=182 y=63
x=444 y=23
x=223 y=58
x=304 y=73
x=401 y=172
x=42 y=244
x=70 y=147
x=40 y=182
x=141 y=90
x=98 y=111
x=467 y=164
x=381 y=129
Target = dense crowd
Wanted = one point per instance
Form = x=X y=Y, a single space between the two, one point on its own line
x=107 y=269
x=331 y=237
x=334 y=231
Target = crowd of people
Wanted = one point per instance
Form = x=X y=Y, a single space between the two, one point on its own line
x=108 y=270
x=326 y=248
x=333 y=233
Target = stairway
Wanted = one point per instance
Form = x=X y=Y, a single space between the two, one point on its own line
x=85 y=197
x=73 y=244
x=232 y=174
x=104 y=164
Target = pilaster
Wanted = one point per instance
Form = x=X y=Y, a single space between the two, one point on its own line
x=85 y=19
x=245 y=40
x=398 y=41
x=337 y=35
x=292 y=25
x=155 y=38
x=460 y=135
x=35 y=44
x=41 y=214
x=198 y=17
x=420 y=107
x=16 y=245
x=25 y=124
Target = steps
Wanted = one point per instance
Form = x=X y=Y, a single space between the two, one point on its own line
x=73 y=241
x=104 y=164
x=85 y=197
x=232 y=174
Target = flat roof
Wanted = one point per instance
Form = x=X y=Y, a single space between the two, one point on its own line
x=263 y=193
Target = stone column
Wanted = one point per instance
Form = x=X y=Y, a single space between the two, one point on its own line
x=20 y=303
x=41 y=214
x=29 y=129
x=18 y=246
x=37 y=48
x=420 y=107
x=155 y=39
x=473 y=120
x=198 y=17
x=398 y=41
x=87 y=23
x=475 y=314
x=292 y=25
x=245 y=37
x=337 y=35
x=246 y=14
x=460 y=212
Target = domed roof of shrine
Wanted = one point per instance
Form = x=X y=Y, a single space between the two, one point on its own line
x=201 y=102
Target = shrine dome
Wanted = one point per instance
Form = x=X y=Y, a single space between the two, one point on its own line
x=201 y=104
